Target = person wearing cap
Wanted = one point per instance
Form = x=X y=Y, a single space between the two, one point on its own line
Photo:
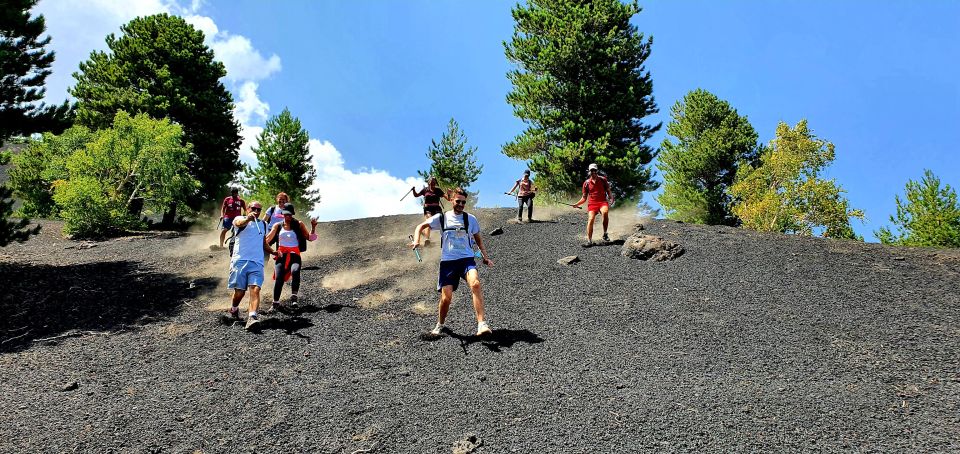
x=459 y=232
x=525 y=194
x=292 y=236
x=231 y=207
x=246 y=263
x=431 y=202
x=597 y=195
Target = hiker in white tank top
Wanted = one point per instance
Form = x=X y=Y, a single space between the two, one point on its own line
x=291 y=236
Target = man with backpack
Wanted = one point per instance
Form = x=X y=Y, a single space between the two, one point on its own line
x=597 y=194
x=246 y=262
x=459 y=231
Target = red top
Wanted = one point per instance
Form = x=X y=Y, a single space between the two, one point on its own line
x=596 y=192
x=233 y=207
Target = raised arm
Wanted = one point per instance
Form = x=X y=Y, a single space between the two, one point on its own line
x=312 y=234
x=515 y=186
x=417 y=194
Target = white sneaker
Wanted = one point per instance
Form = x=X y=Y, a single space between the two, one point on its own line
x=437 y=330
x=252 y=322
x=483 y=328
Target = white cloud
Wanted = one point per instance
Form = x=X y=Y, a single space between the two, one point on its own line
x=242 y=61
x=249 y=108
x=249 y=135
x=347 y=194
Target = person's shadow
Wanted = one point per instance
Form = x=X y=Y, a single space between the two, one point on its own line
x=495 y=341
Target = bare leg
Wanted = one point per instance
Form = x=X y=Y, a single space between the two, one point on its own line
x=254 y=298
x=591 y=216
x=237 y=297
x=446 y=297
x=426 y=231
x=606 y=219
x=223 y=236
x=473 y=279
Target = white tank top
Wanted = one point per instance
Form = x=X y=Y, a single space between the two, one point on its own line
x=288 y=238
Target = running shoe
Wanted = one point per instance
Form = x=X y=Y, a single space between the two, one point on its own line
x=606 y=238
x=252 y=321
x=483 y=329
x=293 y=300
x=587 y=244
x=426 y=242
x=437 y=330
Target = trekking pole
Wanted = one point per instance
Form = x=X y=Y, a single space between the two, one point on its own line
x=570 y=205
x=416 y=249
x=405 y=194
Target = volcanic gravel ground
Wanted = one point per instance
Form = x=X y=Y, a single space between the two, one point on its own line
x=747 y=342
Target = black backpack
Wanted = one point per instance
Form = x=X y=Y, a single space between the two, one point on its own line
x=466 y=227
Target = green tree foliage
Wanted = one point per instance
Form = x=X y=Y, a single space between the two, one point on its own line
x=785 y=192
x=711 y=142
x=161 y=67
x=930 y=216
x=43 y=162
x=581 y=87
x=139 y=160
x=452 y=162
x=283 y=163
x=24 y=67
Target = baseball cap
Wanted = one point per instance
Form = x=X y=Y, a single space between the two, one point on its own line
x=288 y=209
x=593 y=167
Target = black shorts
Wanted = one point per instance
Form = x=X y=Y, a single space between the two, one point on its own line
x=432 y=209
x=451 y=271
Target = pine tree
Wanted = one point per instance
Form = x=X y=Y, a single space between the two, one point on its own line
x=283 y=163
x=930 y=216
x=581 y=87
x=452 y=162
x=712 y=140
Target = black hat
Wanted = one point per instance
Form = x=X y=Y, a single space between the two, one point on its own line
x=526 y=172
x=288 y=209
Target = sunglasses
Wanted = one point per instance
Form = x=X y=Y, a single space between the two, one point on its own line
x=256 y=208
x=459 y=202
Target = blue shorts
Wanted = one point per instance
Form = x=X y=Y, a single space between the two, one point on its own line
x=245 y=273
x=451 y=271
x=227 y=223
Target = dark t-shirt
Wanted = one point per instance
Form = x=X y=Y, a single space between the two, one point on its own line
x=432 y=197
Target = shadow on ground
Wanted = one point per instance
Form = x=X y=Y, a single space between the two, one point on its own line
x=43 y=301
x=495 y=342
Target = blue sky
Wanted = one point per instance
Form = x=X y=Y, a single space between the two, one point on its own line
x=374 y=81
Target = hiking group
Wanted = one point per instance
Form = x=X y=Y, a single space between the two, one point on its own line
x=281 y=236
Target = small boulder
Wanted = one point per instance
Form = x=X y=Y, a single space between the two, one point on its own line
x=496 y=231
x=70 y=386
x=569 y=260
x=649 y=247
x=467 y=444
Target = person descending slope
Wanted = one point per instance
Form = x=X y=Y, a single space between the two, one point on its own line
x=459 y=230
x=431 y=202
x=246 y=264
x=525 y=194
x=596 y=192
x=231 y=207
x=292 y=238
x=273 y=216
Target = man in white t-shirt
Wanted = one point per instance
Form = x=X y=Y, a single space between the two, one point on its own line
x=459 y=232
x=246 y=264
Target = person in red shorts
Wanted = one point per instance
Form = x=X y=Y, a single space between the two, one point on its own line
x=597 y=195
x=231 y=207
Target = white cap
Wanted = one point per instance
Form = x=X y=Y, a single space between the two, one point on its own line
x=593 y=167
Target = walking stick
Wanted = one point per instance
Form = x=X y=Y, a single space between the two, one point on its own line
x=570 y=205
x=405 y=194
x=416 y=249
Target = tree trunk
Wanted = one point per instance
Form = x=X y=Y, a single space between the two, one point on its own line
x=170 y=215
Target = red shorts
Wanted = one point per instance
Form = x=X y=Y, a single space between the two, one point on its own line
x=595 y=206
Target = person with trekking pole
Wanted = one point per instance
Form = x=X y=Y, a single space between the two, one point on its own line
x=525 y=194
x=246 y=263
x=597 y=194
x=459 y=232
x=431 y=202
x=292 y=236
x=231 y=207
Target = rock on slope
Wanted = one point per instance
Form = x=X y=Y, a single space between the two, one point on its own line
x=746 y=342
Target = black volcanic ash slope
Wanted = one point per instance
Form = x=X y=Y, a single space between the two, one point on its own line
x=747 y=342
